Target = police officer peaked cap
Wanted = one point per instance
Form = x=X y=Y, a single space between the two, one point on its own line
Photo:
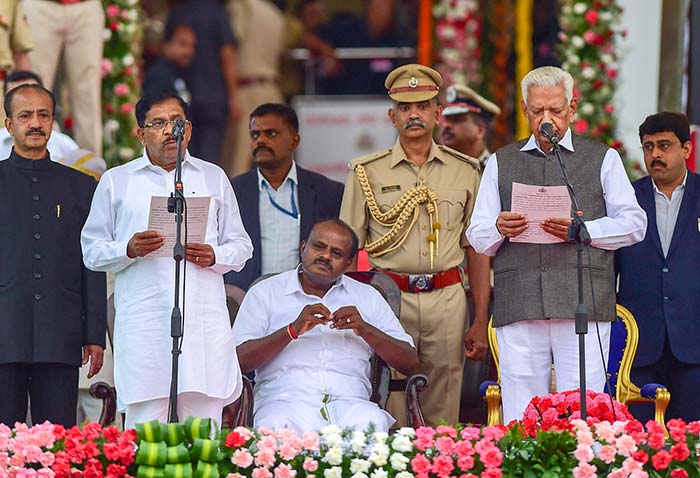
x=462 y=99
x=413 y=83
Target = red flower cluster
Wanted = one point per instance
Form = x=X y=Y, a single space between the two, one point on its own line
x=93 y=451
x=556 y=410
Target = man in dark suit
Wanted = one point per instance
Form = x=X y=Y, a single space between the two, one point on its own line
x=53 y=309
x=278 y=200
x=660 y=276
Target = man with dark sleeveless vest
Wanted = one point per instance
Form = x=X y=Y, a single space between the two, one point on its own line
x=410 y=205
x=535 y=291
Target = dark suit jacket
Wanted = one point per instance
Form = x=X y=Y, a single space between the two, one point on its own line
x=319 y=198
x=50 y=304
x=663 y=294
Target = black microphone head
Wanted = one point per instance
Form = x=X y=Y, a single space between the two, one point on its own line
x=547 y=130
x=179 y=128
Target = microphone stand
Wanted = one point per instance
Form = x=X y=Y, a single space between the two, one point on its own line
x=578 y=233
x=176 y=203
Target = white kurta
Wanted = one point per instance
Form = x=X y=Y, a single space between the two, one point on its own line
x=323 y=361
x=144 y=287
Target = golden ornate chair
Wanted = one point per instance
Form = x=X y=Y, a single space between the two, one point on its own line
x=624 y=336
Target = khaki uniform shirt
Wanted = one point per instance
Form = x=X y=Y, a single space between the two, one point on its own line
x=452 y=175
x=15 y=35
x=260 y=29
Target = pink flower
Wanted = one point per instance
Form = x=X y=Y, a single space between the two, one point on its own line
x=465 y=463
x=244 y=432
x=494 y=433
x=679 y=473
x=626 y=445
x=287 y=451
x=612 y=73
x=425 y=432
x=242 y=458
x=112 y=11
x=606 y=453
x=680 y=451
x=310 y=464
x=262 y=473
x=591 y=17
x=492 y=458
x=590 y=37
x=445 y=445
x=126 y=108
x=442 y=465
x=445 y=430
x=265 y=457
x=585 y=470
x=583 y=453
x=310 y=441
x=121 y=89
x=608 y=108
x=491 y=473
x=470 y=433
x=420 y=464
x=580 y=127
x=285 y=471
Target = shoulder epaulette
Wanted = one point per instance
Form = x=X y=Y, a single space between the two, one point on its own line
x=368 y=158
x=464 y=157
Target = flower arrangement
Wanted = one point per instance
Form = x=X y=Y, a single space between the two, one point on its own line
x=556 y=411
x=120 y=88
x=52 y=451
x=589 y=29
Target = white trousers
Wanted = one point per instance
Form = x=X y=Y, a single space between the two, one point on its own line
x=527 y=350
x=302 y=417
x=188 y=404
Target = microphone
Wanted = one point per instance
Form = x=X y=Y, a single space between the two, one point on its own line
x=548 y=132
x=179 y=129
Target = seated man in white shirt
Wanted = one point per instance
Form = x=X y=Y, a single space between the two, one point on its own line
x=309 y=334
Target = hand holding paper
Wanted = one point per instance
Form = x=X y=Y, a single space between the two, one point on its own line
x=163 y=223
x=547 y=209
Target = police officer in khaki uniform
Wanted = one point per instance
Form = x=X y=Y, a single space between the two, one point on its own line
x=15 y=42
x=466 y=121
x=410 y=206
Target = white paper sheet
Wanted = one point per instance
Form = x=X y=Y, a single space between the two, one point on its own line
x=159 y=219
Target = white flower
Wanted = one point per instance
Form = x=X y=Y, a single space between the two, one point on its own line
x=402 y=443
x=333 y=440
x=580 y=8
x=404 y=474
x=380 y=437
x=106 y=34
x=126 y=153
x=573 y=59
x=128 y=59
x=577 y=41
x=333 y=472
x=132 y=3
x=588 y=73
x=331 y=430
x=604 y=91
x=111 y=127
x=398 y=461
x=379 y=456
x=379 y=473
x=130 y=28
x=132 y=14
x=334 y=456
x=566 y=9
x=607 y=58
x=605 y=16
x=358 y=465
x=358 y=441
x=359 y=475
x=587 y=108
x=406 y=431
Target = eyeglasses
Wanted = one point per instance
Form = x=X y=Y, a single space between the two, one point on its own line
x=662 y=145
x=159 y=125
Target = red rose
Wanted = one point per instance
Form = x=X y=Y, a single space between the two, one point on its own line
x=234 y=440
x=591 y=17
x=680 y=451
x=640 y=456
x=679 y=473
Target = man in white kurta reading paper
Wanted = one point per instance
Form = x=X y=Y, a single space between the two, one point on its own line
x=116 y=239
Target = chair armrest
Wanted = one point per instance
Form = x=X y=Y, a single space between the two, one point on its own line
x=491 y=391
x=661 y=397
x=108 y=394
x=240 y=412
x=414 y=385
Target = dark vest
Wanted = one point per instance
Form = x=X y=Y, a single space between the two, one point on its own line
x=539 y=281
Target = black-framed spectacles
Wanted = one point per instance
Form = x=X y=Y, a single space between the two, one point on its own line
x=159 y=125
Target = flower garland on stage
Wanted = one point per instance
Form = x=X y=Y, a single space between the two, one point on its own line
x=589 y=30
x=458 y=26
x=120 y=89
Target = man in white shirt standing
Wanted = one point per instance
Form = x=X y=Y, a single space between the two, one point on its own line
x=309 y=334
x=535 y=291
x=115 y=239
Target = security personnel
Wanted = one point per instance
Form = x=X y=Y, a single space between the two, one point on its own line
x=15 y=42
x=410 y=206
x=466 y=122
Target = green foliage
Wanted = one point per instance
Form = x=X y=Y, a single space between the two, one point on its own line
x=549 y=455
